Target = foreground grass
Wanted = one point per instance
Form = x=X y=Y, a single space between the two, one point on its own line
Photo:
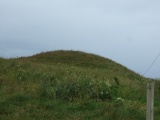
x=25 y=107
x=44 y=87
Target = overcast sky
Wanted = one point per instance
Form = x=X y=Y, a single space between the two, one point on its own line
x=126 y=31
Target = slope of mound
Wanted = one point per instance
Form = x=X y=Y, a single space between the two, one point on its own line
x=82 y=59
x=71 y=85
x=75 y=58
x=72 y=58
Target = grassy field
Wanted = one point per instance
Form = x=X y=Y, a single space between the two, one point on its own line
x=71 y=85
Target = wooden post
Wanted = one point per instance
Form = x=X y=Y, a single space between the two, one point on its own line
x=150 y=100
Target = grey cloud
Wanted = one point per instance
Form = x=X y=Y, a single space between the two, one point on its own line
x=125 y=31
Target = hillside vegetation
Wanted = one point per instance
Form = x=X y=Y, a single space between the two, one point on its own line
x=71 y=85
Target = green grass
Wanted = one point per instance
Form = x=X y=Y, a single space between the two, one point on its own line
x=71 y=85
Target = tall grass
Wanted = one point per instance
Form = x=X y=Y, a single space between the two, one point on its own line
x=39 y=88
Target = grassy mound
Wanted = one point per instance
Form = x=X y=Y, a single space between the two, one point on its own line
x=70 y=85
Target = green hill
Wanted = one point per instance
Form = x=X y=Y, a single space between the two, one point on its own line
x=75 y=58
x=70 y=85
x=82 y=59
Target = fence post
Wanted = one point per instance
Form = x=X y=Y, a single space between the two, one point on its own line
x=150 y=100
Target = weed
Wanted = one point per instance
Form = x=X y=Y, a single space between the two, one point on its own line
x=71 y=85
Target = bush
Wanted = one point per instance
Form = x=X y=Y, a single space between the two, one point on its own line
x=76 y=88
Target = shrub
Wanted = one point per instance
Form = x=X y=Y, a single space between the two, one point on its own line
x=76 y=88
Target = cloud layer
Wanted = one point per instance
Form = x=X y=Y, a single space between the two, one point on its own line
x=124 y=31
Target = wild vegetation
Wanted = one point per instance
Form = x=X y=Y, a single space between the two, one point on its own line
x=71 y=85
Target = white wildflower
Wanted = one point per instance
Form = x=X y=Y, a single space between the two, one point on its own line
x=107 y=83
x=120 y=99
